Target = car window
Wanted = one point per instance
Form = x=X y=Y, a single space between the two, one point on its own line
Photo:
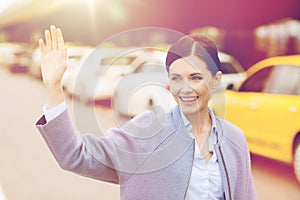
x=284 y=79
x=227 y=68
x=256 y=82
x=278 y=79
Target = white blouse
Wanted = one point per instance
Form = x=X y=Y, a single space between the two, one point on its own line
x=205 y=181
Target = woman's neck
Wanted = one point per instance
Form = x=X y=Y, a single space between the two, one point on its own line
x=200 y=122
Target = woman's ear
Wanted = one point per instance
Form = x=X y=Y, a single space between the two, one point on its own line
x=217 y=79
x=168 y=87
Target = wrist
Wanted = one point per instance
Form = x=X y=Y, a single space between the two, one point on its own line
x=55 y=95
x=53 y=86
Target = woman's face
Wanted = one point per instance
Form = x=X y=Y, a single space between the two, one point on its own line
x=191 y=83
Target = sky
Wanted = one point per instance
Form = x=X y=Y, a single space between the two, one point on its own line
x=91 y=21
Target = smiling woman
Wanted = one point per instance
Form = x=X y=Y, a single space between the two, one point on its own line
x=155 y=155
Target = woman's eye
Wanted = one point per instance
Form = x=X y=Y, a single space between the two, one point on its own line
x=175 y=78
x=196 y=78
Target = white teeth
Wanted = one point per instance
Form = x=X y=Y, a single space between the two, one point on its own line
x=188 y=99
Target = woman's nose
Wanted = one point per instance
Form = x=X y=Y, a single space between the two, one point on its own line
x=186 y=87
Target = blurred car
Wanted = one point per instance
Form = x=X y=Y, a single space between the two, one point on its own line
x=100 y=71
x=76 y=57
x=35 y=68
x=233 y=71
x=267 y=108
x=144 y=88
x=16 y=56
x=76 y=54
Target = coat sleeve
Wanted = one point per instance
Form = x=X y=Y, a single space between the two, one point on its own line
x=83 y=154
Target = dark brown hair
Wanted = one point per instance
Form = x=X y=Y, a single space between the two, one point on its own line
x=196 y=45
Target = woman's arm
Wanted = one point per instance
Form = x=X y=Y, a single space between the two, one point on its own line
x=53 y=64
x=71 y=150
x=86 y=154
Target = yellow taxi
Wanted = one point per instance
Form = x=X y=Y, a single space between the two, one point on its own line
x=266 y=107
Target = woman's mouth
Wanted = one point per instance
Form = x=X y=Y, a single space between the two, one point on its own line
x=189 y=99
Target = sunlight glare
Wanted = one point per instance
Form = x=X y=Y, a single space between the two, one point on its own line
x=4 y=5
x=7 y=4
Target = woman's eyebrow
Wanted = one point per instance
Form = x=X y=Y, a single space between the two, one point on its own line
x=174 y=74
x=198 y=73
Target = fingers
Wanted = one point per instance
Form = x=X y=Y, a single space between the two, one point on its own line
x=42 y=47
x=54 y=39
x=60 y=39
x=48 y=40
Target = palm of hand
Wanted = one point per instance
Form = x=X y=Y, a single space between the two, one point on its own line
x=53 y=66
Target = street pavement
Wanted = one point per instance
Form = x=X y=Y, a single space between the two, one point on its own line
x=28 y=171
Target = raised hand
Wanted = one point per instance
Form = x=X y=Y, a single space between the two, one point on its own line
x=54 y=57
x=53 y=64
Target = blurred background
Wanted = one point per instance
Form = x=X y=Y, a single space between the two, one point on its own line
x=249 y=34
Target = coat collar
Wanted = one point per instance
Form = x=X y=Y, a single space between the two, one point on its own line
x=179 y=120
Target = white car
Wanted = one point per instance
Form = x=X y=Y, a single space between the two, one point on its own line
x=98 y=74
x=16 y=57
x=140 y=91
x=76 y=57
x=146 y=87
x=233 y=72
x=35 y=68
